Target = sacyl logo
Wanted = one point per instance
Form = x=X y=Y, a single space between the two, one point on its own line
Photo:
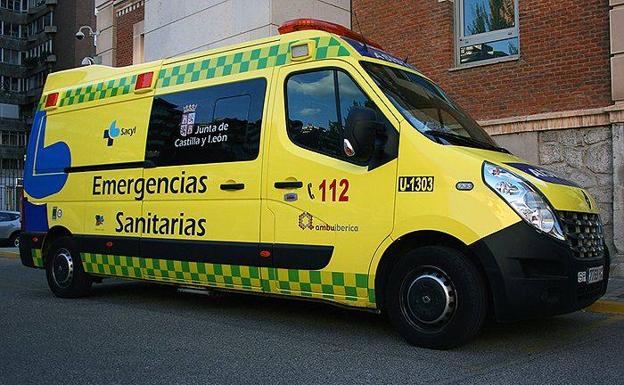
x=113 y=132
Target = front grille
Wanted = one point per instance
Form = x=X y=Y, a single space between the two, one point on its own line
x=583 y=233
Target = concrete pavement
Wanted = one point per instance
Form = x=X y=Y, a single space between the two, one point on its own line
x=128 y=332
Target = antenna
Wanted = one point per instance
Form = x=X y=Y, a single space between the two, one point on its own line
x=360 y=30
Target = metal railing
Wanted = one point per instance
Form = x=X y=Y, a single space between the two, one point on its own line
x=10 y=189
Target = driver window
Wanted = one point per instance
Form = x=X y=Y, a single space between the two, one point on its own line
x=318 y=104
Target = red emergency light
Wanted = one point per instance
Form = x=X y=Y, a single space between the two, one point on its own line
x=319 y=25
x=51 y=100
x=144 y=81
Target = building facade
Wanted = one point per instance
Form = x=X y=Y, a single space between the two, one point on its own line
x=545 y=78
x=36 y=37
x=136 y=30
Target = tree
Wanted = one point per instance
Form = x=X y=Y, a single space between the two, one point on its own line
x=498 y=14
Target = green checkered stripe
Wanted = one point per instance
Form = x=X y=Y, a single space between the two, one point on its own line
x=243 y=61
x=332 y=285
x=347 y=288
x=219 y=275
x=201 y=69
x=98 y=91
x=37 y=257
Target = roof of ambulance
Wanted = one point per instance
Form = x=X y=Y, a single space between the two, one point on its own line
x=93 y=73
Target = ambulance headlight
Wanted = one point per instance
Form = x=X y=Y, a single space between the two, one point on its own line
x=523 y=198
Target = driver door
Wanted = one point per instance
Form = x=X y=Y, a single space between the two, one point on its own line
x=328 y=214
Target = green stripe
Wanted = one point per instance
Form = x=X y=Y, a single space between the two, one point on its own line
x=201 y=69
x=348 y=287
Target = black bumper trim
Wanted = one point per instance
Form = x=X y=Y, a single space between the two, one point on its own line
x=28 y=243
x=532 y=274
x=287 y=256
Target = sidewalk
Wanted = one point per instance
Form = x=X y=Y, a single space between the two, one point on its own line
x=613 y=300
x=615 y=290
x=9 y=252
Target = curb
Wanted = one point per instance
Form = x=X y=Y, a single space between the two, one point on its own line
x=9 y=254
x=611 y=307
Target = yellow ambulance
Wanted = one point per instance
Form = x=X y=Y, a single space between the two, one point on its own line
x=311 y=164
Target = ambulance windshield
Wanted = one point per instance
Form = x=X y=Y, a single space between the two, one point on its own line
x=428 y=108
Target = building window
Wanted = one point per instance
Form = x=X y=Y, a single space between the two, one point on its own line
x=9 y=111
x=486 y=31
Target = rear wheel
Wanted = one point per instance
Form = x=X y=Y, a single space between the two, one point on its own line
x=64 y=271
x=436 y=297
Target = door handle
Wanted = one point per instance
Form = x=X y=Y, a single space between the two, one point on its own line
x=232 y=186
x=288 y=185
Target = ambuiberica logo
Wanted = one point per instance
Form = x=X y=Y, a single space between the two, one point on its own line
x=306 y=221
x=113 y=132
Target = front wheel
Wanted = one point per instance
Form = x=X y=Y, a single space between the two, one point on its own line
x=66 y=277
x=436 y=297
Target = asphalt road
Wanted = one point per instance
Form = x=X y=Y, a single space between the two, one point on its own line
x=128 y=332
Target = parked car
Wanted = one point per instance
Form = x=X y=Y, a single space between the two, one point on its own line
x=10 y=225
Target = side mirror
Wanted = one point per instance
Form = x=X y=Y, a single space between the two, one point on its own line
x=360 y=132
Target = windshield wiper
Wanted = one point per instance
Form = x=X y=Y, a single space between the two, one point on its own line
x=464 y=139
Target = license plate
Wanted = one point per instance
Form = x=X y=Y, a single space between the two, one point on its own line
x=595 y=274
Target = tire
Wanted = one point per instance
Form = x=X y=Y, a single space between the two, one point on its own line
x=66 y=276
x=436 y=298
x=14 y=239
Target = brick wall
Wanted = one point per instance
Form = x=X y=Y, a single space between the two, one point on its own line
x=564 y=54
x=127 y=14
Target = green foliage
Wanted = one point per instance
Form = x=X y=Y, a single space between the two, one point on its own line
x=498 y=15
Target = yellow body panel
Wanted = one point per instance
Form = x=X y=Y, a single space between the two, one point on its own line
x=377 y=213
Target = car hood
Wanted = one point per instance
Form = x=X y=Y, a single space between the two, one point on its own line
x=563 y=194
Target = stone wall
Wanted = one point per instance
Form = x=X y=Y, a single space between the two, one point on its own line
x=584 y=156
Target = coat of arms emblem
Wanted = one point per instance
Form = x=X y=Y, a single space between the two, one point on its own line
x=188 y=119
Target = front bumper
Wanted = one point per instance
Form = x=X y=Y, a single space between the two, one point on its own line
x=533 y=275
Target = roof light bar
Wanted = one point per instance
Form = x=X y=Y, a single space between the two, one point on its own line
x=319 y=25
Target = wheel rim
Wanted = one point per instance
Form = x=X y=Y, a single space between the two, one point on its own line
x=63 y=268
x=16 y=241
x=428 y=299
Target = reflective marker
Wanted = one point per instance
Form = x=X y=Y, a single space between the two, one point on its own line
x=464 y=186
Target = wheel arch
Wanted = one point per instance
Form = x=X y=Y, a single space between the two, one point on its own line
x=52 y=235
x=419 y=239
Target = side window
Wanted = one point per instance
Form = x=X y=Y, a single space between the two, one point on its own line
x=318 y=104
x=4 y=217
x=208 y=125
